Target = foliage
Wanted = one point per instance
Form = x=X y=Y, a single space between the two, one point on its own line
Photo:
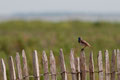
x=41 y=35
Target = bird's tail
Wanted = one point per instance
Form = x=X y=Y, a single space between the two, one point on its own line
x=89 y=45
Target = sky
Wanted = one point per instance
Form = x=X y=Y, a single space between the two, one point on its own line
x=8 y=7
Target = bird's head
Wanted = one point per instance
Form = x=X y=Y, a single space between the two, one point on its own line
x=79 y=39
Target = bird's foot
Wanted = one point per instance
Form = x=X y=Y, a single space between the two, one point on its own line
x=82 y=49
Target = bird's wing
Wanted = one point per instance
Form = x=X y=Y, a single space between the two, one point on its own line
x=86 y=43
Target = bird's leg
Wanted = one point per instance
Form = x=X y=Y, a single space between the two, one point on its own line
x=83 y=48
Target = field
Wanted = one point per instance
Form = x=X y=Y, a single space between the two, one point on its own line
x=39 y=35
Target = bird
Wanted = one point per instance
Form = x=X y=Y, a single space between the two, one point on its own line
x=83 y=43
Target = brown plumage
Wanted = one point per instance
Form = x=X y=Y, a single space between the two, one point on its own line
x=83 y=43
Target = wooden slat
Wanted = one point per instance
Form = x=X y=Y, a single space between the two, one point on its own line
x=45 y=66
x=113 y=65
x=3 y=69
x=77 y=63
x=25 y=67
x=107 y=66
x=72 y=63
x=83 y=65
x=52 y=66
x=118 y=64
x=12 y=69
x=36 y=66
x=18 y=65
x=91 y=67
x=63 y=67
x=100 y=65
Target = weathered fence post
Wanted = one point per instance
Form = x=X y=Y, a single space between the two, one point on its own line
x=118 y=64
x=52 y=66
x=78 y=66
x=113 y=65
x=107 y=66
x=3 y=69
x=100 y=65
x=45 y=66
x=72 y=63
x=12 y=69
x=77 y=63
x=25 y=68
x=63 y=67
x=18 y=65
x=91 y=67
x=36 y=66
x=83 y=65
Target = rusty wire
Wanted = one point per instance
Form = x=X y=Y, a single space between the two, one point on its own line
x=68 y=73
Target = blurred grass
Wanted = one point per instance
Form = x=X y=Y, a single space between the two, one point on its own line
x=40 y=35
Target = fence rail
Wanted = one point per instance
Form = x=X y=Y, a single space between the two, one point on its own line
x=78 y=67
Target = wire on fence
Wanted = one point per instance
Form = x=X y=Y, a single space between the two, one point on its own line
x=69 y=73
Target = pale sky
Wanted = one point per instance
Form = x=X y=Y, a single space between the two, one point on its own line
x=34 y=6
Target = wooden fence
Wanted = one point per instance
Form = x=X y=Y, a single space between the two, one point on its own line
x=78 y=67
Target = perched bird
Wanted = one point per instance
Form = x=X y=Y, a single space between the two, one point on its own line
x=83 y=43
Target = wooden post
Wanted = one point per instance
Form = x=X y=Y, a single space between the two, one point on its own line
x=100 y=65
x=52 y=66
x=25 y=68
x=3 y=69
x=45 y=66
x=72 y=63
x=36 y=66
x=91 y=67
x=113 y=65
x=77 y=63
x=12 y=69
x=118 y=64
x=83 y=65
x=18 y=65
x=63 y=67
x=107 y=66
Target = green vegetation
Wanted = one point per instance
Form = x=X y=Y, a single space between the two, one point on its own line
x=39 y=35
